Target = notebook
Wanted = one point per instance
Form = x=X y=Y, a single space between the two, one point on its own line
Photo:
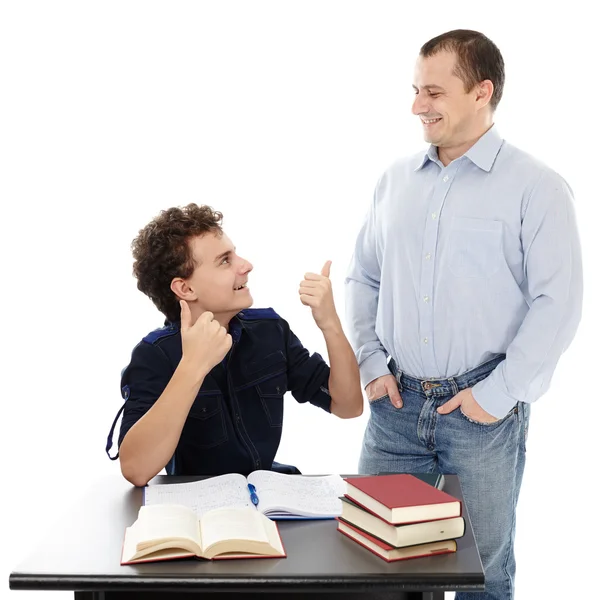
x=276 y=495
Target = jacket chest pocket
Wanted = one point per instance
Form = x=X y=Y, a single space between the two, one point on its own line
x=474 y=247
x=206 y=426
x=271 y=393
x=267 y=377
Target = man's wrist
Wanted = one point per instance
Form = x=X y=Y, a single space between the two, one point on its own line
x=491 y=398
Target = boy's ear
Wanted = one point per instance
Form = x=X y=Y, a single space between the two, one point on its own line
x=182 y=290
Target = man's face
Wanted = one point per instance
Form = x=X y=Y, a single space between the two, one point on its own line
x=448 y=114
x=220 y=277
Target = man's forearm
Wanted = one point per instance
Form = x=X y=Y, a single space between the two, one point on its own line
x=361 y=314
x=531 y=357
x=152 y=440
x=344 y=383
x=362 y=286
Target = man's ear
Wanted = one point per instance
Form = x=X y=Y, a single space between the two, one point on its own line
x=484 y=93
x=182 y=290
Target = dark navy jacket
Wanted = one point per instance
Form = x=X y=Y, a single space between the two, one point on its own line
x=235 y=423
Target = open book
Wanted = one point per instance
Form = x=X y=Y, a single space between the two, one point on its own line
x=164 y=532
x=277 y=495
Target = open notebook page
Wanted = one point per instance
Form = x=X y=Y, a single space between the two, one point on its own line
x=223 y=491
x=287 y=495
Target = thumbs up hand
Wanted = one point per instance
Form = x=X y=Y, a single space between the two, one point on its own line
x=205 y=342
x=316 y=292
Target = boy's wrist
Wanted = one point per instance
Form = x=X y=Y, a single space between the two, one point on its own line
x=331 y=326
x=192 y=372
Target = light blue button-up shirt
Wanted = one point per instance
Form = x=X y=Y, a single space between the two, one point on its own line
x=455 y=265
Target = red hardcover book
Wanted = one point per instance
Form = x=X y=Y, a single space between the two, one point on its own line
x=391 y=554
x=404 y=534
x=402 y=498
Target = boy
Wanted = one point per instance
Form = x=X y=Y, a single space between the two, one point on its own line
x=204 y=394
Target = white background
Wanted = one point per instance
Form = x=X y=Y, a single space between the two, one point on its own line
x=282 y=115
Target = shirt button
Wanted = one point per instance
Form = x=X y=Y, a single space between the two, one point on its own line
x=446 y=178
x=425 y=340
x=426 y=298
x=428 y=256
x=433 y=215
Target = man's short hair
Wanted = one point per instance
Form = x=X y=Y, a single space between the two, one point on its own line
x=478 y=59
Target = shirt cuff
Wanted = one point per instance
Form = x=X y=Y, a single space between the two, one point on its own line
x=492 y=399
x=374 y=366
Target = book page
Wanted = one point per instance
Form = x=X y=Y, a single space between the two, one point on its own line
x=232 y=524
x=165 y=522
x=129 y=546
x=224 y=491
x=287 y=495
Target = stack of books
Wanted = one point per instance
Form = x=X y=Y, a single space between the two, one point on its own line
x=400 y=516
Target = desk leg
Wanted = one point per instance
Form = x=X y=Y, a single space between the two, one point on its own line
x=90 y=595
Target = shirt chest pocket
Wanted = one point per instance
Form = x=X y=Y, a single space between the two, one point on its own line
x=474 y=247
x=271 y=386
x=206 y=425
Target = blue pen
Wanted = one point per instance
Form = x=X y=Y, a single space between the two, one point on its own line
x=254 y=497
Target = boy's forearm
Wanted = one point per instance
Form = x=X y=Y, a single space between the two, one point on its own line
x=150 y=443
x=344 y=383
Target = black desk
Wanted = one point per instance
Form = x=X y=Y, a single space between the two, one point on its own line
x=82 y=554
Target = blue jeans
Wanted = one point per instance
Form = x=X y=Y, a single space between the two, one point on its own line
x=488 y=459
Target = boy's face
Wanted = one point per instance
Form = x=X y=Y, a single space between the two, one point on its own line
x=220 y=277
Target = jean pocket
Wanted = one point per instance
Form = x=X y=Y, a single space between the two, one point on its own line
x=380 y=399
x=474 y=247
x=512 y=412
x=206 y=425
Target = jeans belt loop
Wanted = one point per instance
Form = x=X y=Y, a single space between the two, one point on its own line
x=398 y=378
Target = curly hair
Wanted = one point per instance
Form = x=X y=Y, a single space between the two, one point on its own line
x=162 y=252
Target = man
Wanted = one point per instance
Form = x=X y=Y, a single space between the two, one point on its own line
x=466 y=279
x=204 y=394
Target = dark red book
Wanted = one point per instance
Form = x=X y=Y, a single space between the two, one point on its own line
x=402 y=498
x=404 y=534
x=391 y=554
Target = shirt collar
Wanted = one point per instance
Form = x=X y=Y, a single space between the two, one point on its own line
x=482 y=154
x=235 y=327
x=425 y=157
x=485 y=151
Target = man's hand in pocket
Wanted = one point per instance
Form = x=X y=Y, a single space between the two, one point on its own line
x=469 y=407
x=384 y=385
